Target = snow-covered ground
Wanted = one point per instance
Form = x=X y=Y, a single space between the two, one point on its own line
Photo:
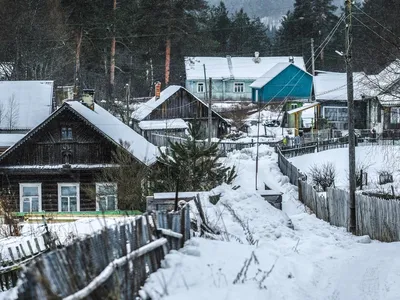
x=313 y=261
x=372 y=159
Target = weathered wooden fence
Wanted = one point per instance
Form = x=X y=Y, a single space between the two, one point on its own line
x=288 y=169
x=223 y=146
x=378 y=218
x=21 y=254
x=112 y=264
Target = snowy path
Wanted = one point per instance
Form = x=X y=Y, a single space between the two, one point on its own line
x=313 y=261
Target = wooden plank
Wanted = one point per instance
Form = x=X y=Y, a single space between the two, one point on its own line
x=30 y=247
x=11 y=254
x=37 y=245
x=22 y=251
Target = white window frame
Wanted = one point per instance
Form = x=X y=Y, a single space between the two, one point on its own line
x=293 y=106
x=21 y=201
x=98 y=184
x=395 y=115
x=198 y=87
x=237 y=83
x=336 y=107
x=78 y=198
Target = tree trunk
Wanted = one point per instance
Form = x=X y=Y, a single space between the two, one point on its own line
x=167 y=60
x=112 y=60
x=176 y=194
x=79 y=36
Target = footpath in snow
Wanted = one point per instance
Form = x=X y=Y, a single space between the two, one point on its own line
x=265 y=259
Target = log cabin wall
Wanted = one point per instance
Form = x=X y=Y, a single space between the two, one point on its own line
x=49 y=181
x=183 y=105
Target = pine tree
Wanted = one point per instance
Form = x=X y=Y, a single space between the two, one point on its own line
x=191 y=166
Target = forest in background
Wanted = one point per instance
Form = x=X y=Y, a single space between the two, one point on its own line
x=107 y=44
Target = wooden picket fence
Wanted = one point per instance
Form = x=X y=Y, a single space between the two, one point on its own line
x=224 y=147
x=22 y=254
x=112 y=264
x=378 y=218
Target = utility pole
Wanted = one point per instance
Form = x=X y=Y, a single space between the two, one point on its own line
x=312 y=58
x=205 y=96
x=209 y=113
x=350 y=105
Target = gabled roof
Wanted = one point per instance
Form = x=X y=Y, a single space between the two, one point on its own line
x=30 y=101
x=148 y=107
x=333 y=85
x=386 y=85
x=272 y=73
x=107 y=125
x=234 y=67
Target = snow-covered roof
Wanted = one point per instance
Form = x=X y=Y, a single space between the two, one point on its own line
x=9 y=139
x=234 y=67
x=271 y=74
x=146 y=108
x=25 y=104
x=117 y=131
x=163 y=124
x=385 y=85
x=333 y=86
x=171 y=195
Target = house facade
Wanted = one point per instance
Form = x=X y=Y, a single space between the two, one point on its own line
x=168 y=113
x=231 y=77
x=331 y=92
x=385 y=87
x=55 y=165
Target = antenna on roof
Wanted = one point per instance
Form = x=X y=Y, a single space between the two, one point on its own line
x=256 y=57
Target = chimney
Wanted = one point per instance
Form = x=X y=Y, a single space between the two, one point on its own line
x=256 y=57
x=88 y=98
x=157 y=89
x=291 y=59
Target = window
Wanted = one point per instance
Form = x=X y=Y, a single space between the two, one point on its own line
x=68 y=197
x=30 y=197
x=66 y=133
x=200 y=87
x=238 y=87
x=106 y=194
x=335 y=114
x=395 y=115
x=293 y=105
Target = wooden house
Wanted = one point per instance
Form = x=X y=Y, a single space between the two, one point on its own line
x=331 y=92
x=166 y=112
x=53 y=165
x=231 y=76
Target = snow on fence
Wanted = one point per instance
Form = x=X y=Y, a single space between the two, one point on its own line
x=224 y=147
x=378 y=218
x=112 y=264
x=20 y=254
x=288 y=169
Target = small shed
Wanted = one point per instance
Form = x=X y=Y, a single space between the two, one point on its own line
x=176 y=102
x=166 y=201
